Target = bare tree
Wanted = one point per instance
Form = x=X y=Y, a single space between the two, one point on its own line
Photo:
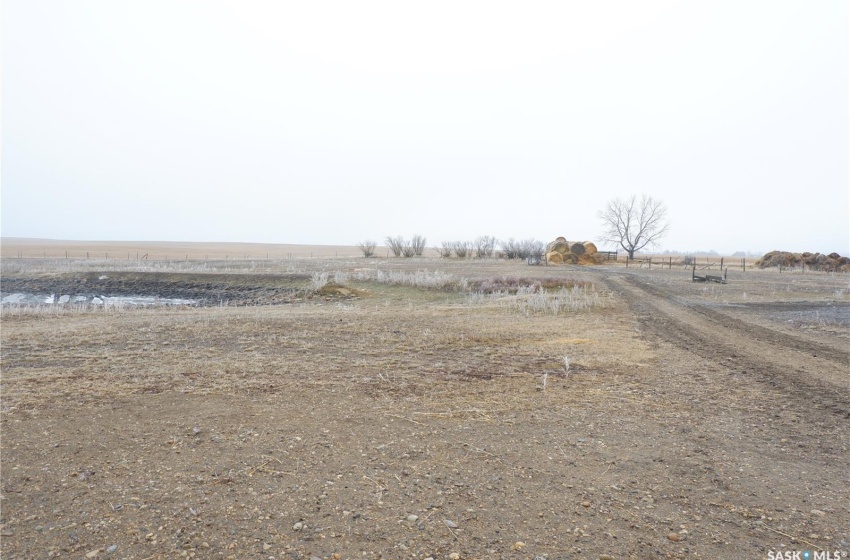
x=461 y=248
x=531 y=248
x=418 y=243
x=510 y=248
x=634 y=223
x=396 y=244
x=445 y=249
x=484 y=246
x=407 y=249
x=514 y=249
x=367 y=247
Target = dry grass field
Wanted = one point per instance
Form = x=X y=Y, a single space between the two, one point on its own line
x=163 y=250
x=339 y=407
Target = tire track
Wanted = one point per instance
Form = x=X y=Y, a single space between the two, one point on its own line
x=750 y=349
x=756 y=332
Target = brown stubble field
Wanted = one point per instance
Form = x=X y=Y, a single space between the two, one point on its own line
x=399 y=421
x=161 y=250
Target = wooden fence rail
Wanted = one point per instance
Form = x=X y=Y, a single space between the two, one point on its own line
x=701 y=263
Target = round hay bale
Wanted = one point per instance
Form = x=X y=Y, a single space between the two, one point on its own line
x=591 y=259
x=577 y=249
x=561 y=247
x=570 y=258
x=555 y=257
x=589 y=247
x=560 y=240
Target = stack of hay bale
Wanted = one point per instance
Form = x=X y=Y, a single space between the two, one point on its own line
x=832 y=262
x=562 y=251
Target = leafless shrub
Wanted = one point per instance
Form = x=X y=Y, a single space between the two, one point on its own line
x=445 y=250
x=510 y=248
x=461 y=249
x=404 y=248
x=513 y=249
x=484 y=246
x=408 y=250
x=396 y=245
x=418 y=244
x=318 y=280
x=533 y=248
x=367 y=248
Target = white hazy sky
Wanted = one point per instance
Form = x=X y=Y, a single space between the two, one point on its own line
x=335 y=122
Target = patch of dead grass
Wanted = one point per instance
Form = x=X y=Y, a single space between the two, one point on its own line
x=397 y=342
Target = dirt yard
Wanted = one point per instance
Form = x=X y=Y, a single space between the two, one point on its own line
x=424 y=408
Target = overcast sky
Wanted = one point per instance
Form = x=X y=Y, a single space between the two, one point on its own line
x=336 y=122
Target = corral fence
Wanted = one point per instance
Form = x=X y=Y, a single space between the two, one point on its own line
x=698 y=263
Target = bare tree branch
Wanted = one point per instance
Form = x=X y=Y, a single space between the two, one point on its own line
x=367 y=247
x=634 y=223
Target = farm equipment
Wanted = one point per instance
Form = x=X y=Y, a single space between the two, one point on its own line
x=708 y=277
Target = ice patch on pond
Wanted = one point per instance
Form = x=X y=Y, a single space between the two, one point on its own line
x=145 y=300
x=17 y=299
x=41 y=299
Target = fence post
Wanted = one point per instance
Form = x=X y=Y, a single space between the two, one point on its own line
x=721 y=263
x=744 y=264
